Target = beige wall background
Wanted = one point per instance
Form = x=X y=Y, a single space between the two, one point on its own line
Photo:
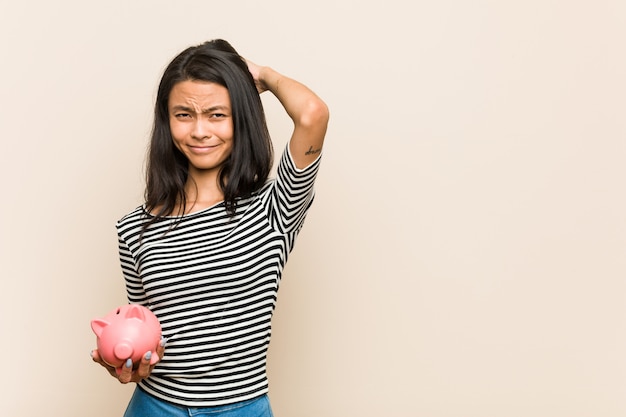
x=466 y=252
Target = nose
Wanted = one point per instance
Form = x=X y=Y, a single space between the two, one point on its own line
x=201 y=129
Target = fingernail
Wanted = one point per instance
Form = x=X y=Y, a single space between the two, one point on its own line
x=91 y=354
x=163 y=341
x=129 y=362
x=148 y=355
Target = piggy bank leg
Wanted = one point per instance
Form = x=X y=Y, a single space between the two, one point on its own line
x=154 y=358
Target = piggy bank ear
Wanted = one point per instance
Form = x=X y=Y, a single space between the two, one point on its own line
x=98 y=326
x=135 y=312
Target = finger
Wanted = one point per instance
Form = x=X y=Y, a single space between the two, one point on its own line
x=127 y=372
x=95 y=356
x=252 y=67
x=161 y=348
x=144 y=366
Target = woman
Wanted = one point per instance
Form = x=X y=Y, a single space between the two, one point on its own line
x=206 y=251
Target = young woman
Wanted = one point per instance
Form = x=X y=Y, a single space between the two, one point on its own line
x=207 y=249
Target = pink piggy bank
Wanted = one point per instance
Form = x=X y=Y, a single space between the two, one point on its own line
x=127 y=332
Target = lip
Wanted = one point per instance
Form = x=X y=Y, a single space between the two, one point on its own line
x=201 y=149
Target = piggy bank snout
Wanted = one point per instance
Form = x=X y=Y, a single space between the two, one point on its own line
x=123 y=350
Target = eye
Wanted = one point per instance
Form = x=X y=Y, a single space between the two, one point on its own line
x=182 y=115
x=217 y=115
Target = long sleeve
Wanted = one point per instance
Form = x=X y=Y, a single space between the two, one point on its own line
x=134 y=287
x=293 y=194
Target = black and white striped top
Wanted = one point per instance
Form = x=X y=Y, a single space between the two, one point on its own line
x=212 y=281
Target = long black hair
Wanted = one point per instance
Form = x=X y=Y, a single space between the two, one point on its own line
x=249 y=164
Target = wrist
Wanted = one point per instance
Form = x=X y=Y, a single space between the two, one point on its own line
x=269 y=78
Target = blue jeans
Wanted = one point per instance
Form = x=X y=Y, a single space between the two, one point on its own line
x=145 y=405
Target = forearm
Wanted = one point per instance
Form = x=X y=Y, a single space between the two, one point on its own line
x=308 y=112
x=301 y=104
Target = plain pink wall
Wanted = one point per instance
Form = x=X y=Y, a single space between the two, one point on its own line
x=464 y=257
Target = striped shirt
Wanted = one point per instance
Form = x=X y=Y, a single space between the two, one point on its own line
x=212 y=281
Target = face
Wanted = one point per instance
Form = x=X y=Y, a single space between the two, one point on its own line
x=201 y=123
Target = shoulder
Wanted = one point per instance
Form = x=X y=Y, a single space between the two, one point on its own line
x=135 y=217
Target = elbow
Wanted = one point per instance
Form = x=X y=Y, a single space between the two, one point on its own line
x=316 y=114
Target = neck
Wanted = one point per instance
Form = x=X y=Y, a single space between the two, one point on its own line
x=202 y=190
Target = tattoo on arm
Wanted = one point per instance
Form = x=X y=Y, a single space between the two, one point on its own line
x=312 y=151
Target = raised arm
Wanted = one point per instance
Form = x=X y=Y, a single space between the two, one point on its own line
x=307 y=111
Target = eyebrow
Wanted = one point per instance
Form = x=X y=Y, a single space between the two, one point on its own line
x=187 y=109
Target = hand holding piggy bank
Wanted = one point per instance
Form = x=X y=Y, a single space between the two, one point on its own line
x=127 y=332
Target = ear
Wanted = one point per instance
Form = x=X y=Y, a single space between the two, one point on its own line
x=135 y=312
x=98 y=326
